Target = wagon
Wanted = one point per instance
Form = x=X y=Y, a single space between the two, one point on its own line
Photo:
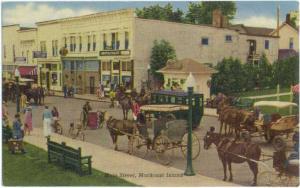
x=168 y=133
x=275 y=131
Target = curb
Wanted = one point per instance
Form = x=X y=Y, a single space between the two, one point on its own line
x=80 y=98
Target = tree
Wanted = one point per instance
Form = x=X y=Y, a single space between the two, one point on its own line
x=162 y=51
x=265 y=75
x=230 y=77
x=294 y=21
x=160 y=13
x=201 y=13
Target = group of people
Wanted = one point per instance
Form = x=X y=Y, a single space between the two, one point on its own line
x=68 y=91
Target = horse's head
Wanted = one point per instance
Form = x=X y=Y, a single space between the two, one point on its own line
x=210 y=137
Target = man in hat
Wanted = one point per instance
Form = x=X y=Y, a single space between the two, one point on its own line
x=85 y=110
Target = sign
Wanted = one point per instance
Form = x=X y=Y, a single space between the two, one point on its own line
x=20 y=59
x=114 y=52
x=39 y=54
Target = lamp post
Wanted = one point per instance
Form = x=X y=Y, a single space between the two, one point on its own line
x=17 y=76
x=148 y=71
x=190 y=83
x=40 y=69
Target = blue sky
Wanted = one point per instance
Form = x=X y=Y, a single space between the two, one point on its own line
x=254 y=13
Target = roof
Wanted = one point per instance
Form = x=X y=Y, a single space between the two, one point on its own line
x=82 y=16
x=281 y=26
x=254 y=31
x=278 y=104
x=286 y=53
x=186 y=66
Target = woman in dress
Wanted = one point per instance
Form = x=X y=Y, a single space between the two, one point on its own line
x=55 y=116
x=47 y=119
x=28 y=119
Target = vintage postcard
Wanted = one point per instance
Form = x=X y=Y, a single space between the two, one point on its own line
x=150 y=93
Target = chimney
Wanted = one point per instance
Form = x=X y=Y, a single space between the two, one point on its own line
x=224 y=21
x=288 y=19
x=217 y=18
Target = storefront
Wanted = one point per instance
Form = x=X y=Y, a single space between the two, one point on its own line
x=51 y=75
x=82 y=74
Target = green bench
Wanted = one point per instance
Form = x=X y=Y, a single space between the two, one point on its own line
x=6 y=134
x=69 y=158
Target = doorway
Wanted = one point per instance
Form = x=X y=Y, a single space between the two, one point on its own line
x=92 y=85
x=252 y=47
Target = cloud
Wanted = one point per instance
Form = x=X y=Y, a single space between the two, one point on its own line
x=257 y=21
x=29 y=13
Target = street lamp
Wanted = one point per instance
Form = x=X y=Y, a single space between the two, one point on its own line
x=17 y=76
x=148 y=71
x=190 y=84
x=40 y=70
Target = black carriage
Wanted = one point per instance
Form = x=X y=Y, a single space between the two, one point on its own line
x=180 y=98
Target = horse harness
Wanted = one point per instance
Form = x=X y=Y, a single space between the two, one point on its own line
x=111 y=120
x=229 y=144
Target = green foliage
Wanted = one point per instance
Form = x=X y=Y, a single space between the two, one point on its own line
x=286 y=72
x=33 y=169
x=162 y=51
x=230 y=77
x=201 y=13
x=294 y=22
x=157 y=12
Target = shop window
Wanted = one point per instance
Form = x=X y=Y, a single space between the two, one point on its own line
x=116 y=65
x=79 y=66
x=54 y=78
x=106 y=66
x=72 y=65
x=126 y=40
x=106 y=80
x=91 y=65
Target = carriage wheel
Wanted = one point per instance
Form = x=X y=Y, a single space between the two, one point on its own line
x=139 y=147
x=278 y=143
x=162 y=149
x=195 y=145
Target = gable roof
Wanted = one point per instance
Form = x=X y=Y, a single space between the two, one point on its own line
x=281 y=26
x=253 y=31
x=186 y=66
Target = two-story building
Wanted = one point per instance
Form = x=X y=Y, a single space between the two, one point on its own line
x=115 y=47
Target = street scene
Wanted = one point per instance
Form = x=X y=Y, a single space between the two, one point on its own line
x=149 y=94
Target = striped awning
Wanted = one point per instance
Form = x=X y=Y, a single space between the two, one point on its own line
x=27 y=70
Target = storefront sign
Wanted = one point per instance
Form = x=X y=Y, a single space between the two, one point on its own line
x=114 y=52
x=39 y=54
x=20 y=59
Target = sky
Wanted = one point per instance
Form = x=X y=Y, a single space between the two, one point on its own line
x=250 y=13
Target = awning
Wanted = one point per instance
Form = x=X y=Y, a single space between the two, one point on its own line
x=27 y=70
x=278 y=104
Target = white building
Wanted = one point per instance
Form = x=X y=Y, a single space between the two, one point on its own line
x=115 y=47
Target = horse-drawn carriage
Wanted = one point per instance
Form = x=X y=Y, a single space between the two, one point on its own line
x=168 y=133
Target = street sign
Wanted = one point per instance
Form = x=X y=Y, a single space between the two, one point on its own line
x=114 y=52
x=39 y=54
x=20 y=60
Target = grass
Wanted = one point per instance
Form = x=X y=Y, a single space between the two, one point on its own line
x=33 y=169
x=262 y=92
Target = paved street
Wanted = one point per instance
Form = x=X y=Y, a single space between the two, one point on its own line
x=207 y=163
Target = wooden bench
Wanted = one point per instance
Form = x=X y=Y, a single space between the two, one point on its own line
x=69 y=158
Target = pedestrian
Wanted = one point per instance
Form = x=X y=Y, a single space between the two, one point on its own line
x=23 y=100
x=65 y=90
x=135 y=110
x=47 y=120
x=17 y=128
x=4 y=110
x=85 y=110
x=112 y=96
x=55 y=116
x=27 y=119
x=98 y=92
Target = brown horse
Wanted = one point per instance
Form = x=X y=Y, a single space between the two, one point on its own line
x=120 y=128
x=234 y=152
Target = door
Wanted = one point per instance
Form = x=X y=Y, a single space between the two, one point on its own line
x=252 y=47
x=92 y=85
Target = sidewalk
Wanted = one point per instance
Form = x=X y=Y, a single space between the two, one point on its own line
x=90 y=97
x=126 y=166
